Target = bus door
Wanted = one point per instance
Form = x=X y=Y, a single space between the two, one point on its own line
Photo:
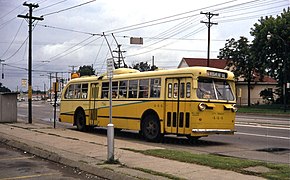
x=177 y=107
x=93 y=104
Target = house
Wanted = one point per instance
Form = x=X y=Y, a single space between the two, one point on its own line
x=257 y=85
x=216 y=63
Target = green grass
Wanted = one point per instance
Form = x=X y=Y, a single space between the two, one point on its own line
x=277 y=171
x=264 y=109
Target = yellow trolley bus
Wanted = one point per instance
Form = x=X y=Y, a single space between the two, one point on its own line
x=192 y=102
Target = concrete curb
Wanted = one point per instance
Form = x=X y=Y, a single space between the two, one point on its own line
x=58 y=158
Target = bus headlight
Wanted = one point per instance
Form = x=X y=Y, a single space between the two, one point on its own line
x=202 y=106
x=234 y=109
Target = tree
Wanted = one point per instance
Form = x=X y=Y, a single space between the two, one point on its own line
x=144 y=67
x=86 y=70
x=273 y=54
x=267 y=95
x=3 y=88
x=238 y=54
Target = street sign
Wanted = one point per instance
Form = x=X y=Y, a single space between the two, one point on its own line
x=23 y=82
x=110 y=67
x=136 y=40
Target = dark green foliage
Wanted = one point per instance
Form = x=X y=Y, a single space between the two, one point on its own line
x=144 y=67
x=86 y=70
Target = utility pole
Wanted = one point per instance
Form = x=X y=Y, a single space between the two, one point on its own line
x=73 y=68
x=55 y=99
x=209 y=15
x=30 y=18
x=2 y=68
x=50 y=85
x=119 y=55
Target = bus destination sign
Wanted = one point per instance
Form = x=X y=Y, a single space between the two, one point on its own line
x=217 y=74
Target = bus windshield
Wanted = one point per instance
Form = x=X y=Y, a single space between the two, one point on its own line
x=217 y=89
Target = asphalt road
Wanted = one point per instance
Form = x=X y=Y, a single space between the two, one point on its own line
x=16 y=164
x=264 y=138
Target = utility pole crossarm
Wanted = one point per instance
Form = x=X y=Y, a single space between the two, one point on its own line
x=32 y=17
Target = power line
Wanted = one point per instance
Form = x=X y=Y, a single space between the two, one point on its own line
x=10 y=12
x=70 y=30
x=17 y=49
x=12 y=40
x=54 y=4
x=122 y=29
x=62 y=10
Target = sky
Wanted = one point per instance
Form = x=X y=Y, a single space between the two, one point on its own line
x=72 y=33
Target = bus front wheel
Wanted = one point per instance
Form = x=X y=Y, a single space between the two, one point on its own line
x=151 y=128
x=80 y=119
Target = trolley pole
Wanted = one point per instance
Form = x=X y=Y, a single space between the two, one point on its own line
x=110 y=127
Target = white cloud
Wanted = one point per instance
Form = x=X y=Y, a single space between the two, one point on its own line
x=104 y=15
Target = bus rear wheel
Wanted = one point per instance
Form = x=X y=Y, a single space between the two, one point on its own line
x=80 y=119
x=151 y=128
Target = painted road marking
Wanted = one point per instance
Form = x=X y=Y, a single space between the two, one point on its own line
x=30 y=176
x=260 y=135
x=15 y=158
x=265 y=127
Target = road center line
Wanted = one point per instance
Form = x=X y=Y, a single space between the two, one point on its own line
x=260 y=135
x=16 y=158
x=265 y=127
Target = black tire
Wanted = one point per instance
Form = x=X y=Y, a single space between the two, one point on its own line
x=80 y=119
x=151 y=128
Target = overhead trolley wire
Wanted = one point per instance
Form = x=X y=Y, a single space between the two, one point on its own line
x=122 y=29
x=54 y=4
x=12 y=40
x=69 y=8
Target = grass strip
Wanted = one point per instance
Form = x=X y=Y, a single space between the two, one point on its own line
x=263 y=109
x=277 y=171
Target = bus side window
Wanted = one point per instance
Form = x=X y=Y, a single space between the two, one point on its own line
x=143 y=88
x=155 y=88
x=105 y=90
x=182 y=90
x=188 y=87
x=69 y=92
x=170 y=90
x=175 y=90
x=77 y=91
x=133 y=86
x=114 y=89
x=94 y=91
x=123 y=89
x=84 y=91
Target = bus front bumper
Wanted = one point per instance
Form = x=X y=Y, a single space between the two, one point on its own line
x=213 y=131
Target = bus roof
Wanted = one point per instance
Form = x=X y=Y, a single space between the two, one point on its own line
x=132 y=73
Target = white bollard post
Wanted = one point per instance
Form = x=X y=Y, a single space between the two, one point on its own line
x=110 y=139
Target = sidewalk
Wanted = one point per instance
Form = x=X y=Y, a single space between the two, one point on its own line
x=88 y=152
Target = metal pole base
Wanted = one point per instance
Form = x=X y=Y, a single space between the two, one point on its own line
x=110 y=141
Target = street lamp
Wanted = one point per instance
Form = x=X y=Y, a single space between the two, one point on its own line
x=284 y=84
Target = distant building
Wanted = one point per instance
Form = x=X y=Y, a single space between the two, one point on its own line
x=241 y=85
x=216 y=63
